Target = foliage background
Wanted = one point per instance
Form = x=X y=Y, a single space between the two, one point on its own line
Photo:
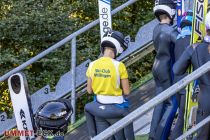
x=27 y=27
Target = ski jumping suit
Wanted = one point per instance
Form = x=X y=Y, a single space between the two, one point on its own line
x=164 y=37
x=197 y=55
x=183 y=40
x=105 y=74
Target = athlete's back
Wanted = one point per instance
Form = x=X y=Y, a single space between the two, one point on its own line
x=202 y=55
x=164 y=37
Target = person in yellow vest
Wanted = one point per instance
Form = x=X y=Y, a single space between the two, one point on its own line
x=108 y=81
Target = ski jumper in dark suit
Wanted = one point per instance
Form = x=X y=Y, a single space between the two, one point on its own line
x=197 y=55
x=164 y=38
x=182 y=42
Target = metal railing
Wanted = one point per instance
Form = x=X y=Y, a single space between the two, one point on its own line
x=62 y=42
x=195 y=128
x=73 y=82
x=152 y=103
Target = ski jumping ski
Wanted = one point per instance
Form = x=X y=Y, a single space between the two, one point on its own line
x=19 y=93
x=198 y=31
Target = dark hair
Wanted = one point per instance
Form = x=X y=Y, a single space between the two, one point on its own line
x=164 y=16
x=110 y=48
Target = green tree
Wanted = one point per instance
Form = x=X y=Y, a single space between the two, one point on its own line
x=27 y=27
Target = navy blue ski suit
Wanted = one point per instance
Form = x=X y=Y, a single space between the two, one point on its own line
x=182 y=42
x=164 y=37
x=197 y=55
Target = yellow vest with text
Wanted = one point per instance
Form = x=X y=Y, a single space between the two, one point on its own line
x=105 y=74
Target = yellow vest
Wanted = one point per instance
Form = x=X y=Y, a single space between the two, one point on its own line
x=105 y=74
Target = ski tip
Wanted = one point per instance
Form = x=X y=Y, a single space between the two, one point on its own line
x=15 y=83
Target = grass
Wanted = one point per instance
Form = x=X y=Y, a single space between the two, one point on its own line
x=143 y=137
x=142 y=81
x=76 y=124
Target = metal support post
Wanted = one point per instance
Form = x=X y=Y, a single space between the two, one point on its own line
x=73 y=70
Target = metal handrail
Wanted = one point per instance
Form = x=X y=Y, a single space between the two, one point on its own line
x=152 y=103
x=192 y=130
x=62 y=42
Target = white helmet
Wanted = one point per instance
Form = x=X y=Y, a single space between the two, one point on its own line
x=165 y=7
x=207 y=21
x=114 y=39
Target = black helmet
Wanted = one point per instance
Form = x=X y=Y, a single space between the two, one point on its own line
x=187 y=19
x=114 y=39
x=167 y=7
x=54 y=115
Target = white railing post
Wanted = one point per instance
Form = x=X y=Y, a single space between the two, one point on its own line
x=73 y=82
